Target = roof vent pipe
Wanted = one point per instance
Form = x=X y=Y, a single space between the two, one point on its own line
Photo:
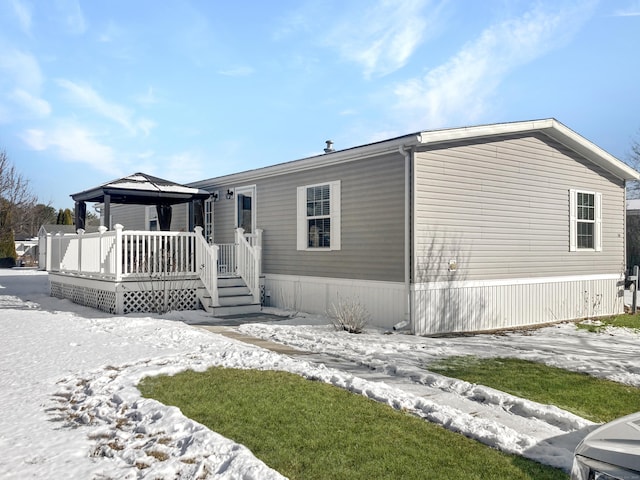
x=329 y=148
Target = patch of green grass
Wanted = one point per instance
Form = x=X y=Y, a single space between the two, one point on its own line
x=592 y=398
x=597 y=326
x=312 y=430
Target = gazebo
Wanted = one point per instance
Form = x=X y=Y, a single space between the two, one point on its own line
x=139 y=189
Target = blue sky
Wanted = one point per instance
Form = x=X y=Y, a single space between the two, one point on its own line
x=185 y=90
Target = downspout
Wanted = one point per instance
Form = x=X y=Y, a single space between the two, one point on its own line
x=407 y=237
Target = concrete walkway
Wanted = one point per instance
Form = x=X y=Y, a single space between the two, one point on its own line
x=229 y=332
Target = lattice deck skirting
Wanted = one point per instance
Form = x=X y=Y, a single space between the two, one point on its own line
x=89 y=297
x=160 y=300
x=127 y=297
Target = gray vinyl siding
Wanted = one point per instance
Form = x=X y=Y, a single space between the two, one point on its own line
x=372 y=220
x=500 y=209
x=179 y=217
x=131 y=217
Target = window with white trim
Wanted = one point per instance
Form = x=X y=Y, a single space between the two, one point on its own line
x=319 y=216
x=208 y=219
x=585 y=228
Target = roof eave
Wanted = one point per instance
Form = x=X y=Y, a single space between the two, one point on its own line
x=591 y=151
x=550 y=127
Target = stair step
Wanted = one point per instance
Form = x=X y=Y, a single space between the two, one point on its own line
x=235 y=300
x=233 y=291
x=235 y=310
x=231 y=282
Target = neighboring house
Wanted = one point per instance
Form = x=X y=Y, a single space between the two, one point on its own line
x=27 y=251
x=454 y=230
x=633 y=234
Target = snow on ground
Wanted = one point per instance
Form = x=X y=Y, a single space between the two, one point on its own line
x=69 y=406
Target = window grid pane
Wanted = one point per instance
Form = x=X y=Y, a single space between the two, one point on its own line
x=319 y=233
x=318 y=201
x=586 y=206
x=319 y=216
x=585 y=235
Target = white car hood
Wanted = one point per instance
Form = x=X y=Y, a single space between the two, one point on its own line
x=616 y=443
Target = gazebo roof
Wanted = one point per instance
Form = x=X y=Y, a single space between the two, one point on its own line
x=142 y=189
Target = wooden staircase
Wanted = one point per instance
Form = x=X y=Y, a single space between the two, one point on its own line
x=234 y=298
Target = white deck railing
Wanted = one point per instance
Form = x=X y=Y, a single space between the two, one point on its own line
x=227 y=260
x=118 y=255
x=249 y=260
x=207 y=262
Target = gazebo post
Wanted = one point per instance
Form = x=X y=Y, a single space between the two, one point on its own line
x=80 y=215
x=198 y=213
x=164 y=216
x=107 y=211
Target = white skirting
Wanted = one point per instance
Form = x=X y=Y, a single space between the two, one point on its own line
x=445 y=307
x=385 y=301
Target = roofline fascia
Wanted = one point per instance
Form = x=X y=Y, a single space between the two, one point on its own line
x=434 y=137
x=591 y=151
x=310 y=163
x=550 y=127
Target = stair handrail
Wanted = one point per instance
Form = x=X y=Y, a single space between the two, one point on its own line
x=207 y=263
x=249 y=260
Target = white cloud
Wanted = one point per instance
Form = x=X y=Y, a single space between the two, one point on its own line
x=632 y=10
x=36 y=106
x=21 y=83
x=110 y=33
x=23 y=13
x=383 y=37
x=74 y=143
x=184 y=167
x=291 y=23
x=22 y=69
x=145 y=126
x=148 y=98
x=72 y=16
x=240 y=71
x=89 y=98
x=460 y=90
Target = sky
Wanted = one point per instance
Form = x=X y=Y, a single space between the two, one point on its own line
x=69 y=407
x=188 y=90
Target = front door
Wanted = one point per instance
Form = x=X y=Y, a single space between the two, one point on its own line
x=246 y=208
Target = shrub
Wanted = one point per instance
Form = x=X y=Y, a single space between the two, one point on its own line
x=349 y=315
x=8 y=255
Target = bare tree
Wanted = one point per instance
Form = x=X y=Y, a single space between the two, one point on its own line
x=633 y=216
x=15 y=195
x=633 y=188
x=14 y=188
x=29 y=219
